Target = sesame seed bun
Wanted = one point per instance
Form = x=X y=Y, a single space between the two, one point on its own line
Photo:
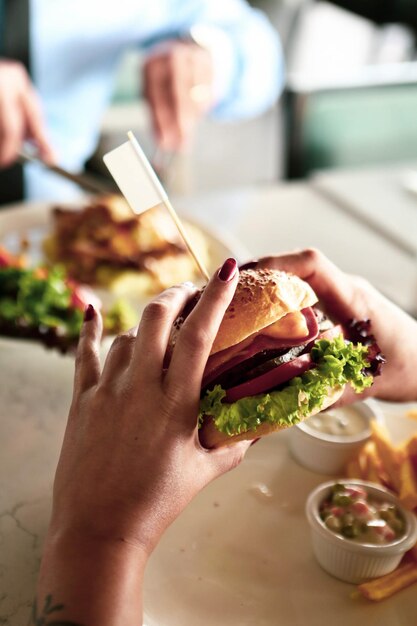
x=262 y=297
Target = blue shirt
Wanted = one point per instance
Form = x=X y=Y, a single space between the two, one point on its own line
x=76 y=46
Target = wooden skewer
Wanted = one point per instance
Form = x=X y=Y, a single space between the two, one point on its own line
x=187 y=241
x=166 y=202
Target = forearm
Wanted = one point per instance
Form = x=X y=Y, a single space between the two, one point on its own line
x=90 y=582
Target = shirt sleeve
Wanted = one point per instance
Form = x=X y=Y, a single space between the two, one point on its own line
x=248 y=67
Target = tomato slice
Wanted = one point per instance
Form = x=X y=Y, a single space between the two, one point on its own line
x=281 y=374
x=265 y=382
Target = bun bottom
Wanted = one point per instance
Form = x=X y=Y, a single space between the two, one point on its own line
x=211 y=438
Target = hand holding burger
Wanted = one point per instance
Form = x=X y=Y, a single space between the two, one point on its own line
x=276 y=360
x=131 y=460
x=346 y=297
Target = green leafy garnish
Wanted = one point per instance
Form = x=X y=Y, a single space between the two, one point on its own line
x=338 y=362
x=36 y=298
x=42 y=299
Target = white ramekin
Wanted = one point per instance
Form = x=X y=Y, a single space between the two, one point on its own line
x=348 y=560
x=328 y=454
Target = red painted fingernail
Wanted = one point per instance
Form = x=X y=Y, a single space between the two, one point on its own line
x=228 y=270
x=250 y=265
x=89 y=313
x=255 y=441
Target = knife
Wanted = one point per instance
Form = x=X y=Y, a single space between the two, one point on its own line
x=86 y=182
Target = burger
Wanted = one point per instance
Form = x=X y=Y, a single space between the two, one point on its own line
x=277 y=359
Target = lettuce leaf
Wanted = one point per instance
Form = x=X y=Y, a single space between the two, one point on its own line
x=37 y=297
x=338 y=362
x=40 y=297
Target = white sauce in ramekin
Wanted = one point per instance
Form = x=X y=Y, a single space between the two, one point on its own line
x=344 y=421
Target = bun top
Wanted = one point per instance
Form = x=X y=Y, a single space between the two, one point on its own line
x=262 y=297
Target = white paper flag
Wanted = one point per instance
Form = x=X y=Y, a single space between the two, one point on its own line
x=134 y=176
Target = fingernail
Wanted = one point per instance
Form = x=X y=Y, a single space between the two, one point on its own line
x=248 y=266
x=89 y=313
x=255 y=441
x=228 y=270
x=188 y=283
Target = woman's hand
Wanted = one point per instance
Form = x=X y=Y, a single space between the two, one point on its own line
x=131 y=458
x=346 y=297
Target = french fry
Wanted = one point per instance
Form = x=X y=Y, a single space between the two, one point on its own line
x=408 y=485
x=372 y=464
x=372 y=468
x=390 y=456
x=410 y=448
x=386 y=586
x=363 y=461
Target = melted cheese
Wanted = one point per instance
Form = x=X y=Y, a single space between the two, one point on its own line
x=291 y=326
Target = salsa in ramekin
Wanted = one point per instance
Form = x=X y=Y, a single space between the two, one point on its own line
x=352 y=513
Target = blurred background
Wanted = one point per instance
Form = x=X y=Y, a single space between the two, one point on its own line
x=350 y=99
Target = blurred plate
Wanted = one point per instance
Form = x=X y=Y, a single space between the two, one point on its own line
x=240 y=554
x=32 y=222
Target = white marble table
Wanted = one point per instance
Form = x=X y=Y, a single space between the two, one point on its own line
x=35 y=393
x=380 y=197
x=35 y=385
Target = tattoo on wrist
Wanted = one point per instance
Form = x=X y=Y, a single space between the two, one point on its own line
x=45 y=618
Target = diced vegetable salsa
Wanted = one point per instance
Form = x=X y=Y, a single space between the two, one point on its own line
x=351 y=513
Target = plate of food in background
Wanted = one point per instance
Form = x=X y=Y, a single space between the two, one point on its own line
x=98 y=252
